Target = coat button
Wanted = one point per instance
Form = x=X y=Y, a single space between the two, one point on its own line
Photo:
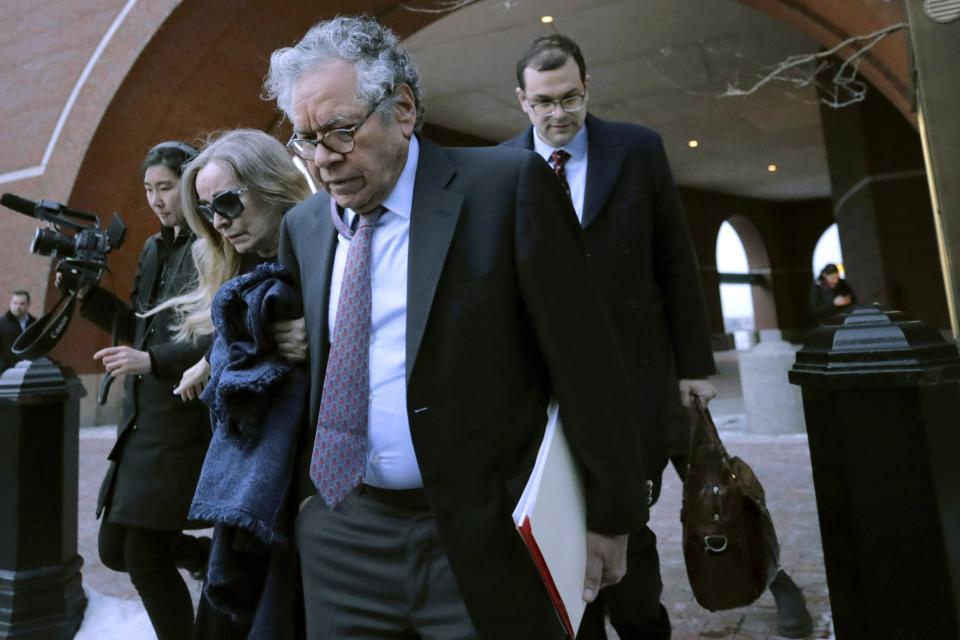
x=624 y=248
x=589 y=255
x=139 y=378
x=633 y=304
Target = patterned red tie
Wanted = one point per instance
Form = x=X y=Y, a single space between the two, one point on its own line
x=339 y=456
x=559 y=158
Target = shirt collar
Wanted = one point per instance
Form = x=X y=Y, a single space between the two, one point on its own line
x=577 y=147
x=400 y=199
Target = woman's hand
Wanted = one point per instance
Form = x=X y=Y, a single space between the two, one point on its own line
x=193 y=381
x=121 y=361
x=291 y=339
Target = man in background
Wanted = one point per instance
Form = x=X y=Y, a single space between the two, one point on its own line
x=642 y=257
x=12 y=324
x=640 y=252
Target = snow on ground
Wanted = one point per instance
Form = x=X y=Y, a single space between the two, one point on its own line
x=107 y=617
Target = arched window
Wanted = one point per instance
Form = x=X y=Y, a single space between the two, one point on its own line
x=736 y=298
x=828 y=250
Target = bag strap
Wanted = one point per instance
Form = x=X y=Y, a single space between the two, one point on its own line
x=702 y=419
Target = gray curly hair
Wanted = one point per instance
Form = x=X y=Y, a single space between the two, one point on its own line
x=382 y=64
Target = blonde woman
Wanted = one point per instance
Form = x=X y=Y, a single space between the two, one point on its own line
x=234 y=196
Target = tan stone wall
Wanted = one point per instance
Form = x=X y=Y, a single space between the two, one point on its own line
x=57 y=86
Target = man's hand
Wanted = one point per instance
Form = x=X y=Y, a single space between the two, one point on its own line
x=606 y=563
x=839 y=301
x=193 y=380
x=121 y=361
x=702 y=389
x=69 y=283
x=291 y=339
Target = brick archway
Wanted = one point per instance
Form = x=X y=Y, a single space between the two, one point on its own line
x=200 y=71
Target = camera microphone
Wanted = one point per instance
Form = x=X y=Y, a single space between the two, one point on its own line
x=18 y=204
x=82 y=254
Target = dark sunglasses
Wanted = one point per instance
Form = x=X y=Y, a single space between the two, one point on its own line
x=226 y=203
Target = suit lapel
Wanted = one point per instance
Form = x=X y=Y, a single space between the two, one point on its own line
x=320 y=226
x=605 y=156
x=148 y=278
x=433 y=221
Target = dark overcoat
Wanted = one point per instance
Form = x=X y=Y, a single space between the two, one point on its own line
x=161 y=440
x=821 y=299
x=500 y=312
x=9 y=332
x=642 y=257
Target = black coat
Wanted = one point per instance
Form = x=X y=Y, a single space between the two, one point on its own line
x=500 y=312
x=9 y=332
x=642 y=256
x=161 y=440
x=821 y=299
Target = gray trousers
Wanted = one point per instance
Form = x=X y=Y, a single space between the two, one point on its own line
x=378 y=571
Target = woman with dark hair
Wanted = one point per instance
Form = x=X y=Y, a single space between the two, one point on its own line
x=161 y=441
x=830 y=294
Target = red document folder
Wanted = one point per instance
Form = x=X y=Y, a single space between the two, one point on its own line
x=551 y=517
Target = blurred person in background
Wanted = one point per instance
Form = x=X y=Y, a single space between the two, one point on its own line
x=12 y=324
x=830 y=294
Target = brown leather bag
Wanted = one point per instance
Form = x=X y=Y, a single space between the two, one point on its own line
x=729 y=543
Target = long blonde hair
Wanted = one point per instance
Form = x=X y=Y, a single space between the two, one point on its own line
x=258 y=162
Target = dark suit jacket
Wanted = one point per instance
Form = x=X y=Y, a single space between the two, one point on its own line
x=641 y=254
x=500 y=310
x=161 y=440
x=9 y=332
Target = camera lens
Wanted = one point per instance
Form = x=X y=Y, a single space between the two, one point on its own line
x=48 y=242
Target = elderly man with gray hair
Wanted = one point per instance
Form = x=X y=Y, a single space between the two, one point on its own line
x=446 y=298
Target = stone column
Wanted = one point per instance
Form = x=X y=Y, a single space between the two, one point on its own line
x=40 y=592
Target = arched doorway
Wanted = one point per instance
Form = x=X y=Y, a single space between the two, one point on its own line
x=828 y=250
x=736 y=299
x=748 y=277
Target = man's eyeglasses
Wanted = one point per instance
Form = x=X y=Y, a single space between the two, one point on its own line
x=226 y=203
x=336 y=140
x=568 y=104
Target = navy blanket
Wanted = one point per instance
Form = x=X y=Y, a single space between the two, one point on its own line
x=257 y=405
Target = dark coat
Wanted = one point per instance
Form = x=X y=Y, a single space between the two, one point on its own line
x=500 y=311
x=643 y=259
x=9 y=332
x=161 y=440
x=821 y=299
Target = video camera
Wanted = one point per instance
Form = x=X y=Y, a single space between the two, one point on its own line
x=83 y=261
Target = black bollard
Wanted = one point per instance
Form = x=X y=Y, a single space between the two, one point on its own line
x=41 y=596
x=882 y=404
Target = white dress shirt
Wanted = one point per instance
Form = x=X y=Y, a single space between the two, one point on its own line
x=391 y=461
x=575 y=168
